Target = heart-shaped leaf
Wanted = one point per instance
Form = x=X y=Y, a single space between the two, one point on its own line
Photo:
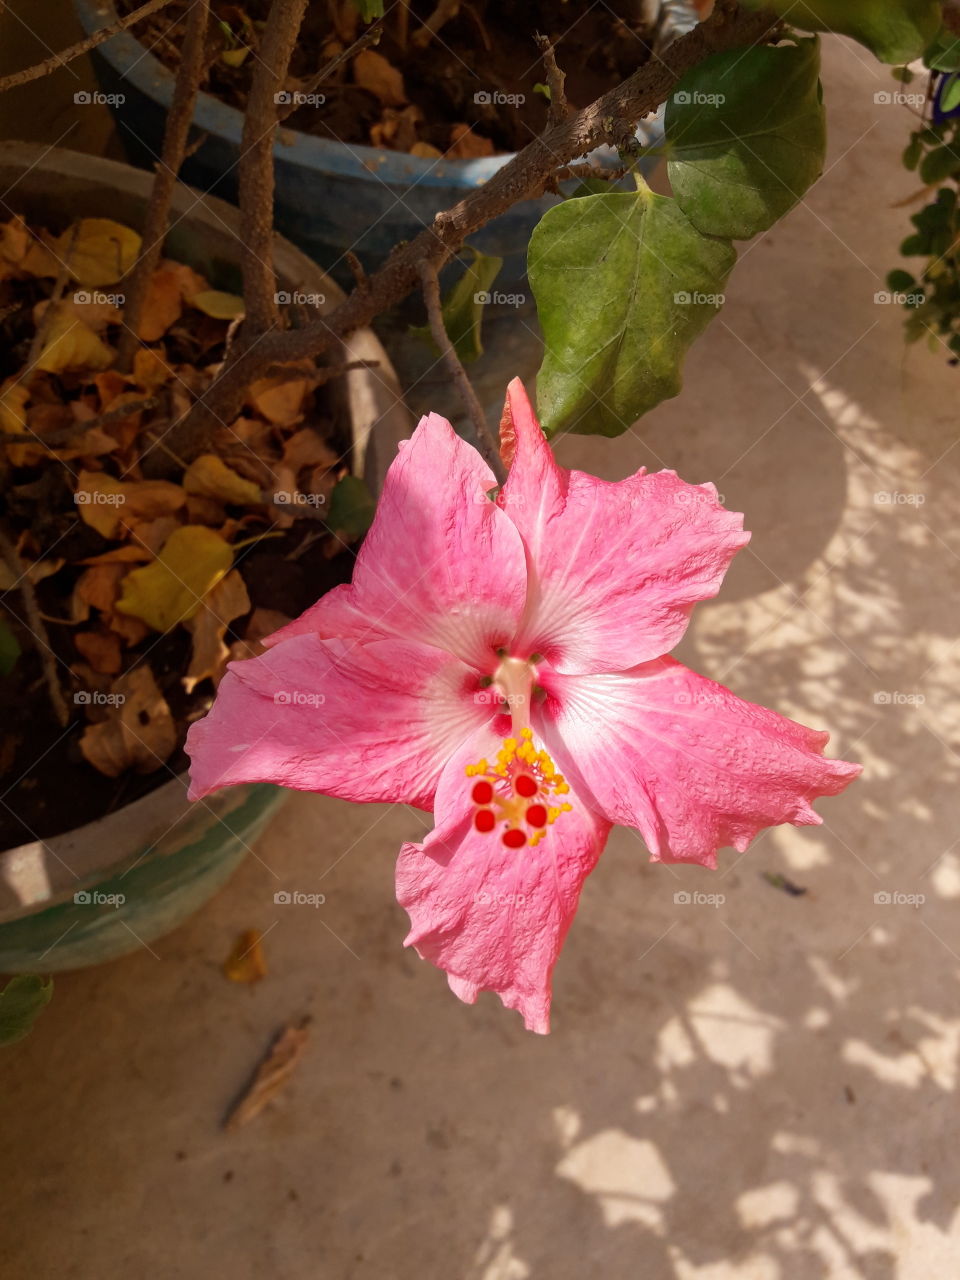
x=623 y=283
x=746 y=137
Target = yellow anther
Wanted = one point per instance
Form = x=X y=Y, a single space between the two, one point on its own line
x=526 y=733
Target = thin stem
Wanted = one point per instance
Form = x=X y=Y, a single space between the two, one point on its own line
x=82 y=46
x=157 y=218
x=430 y=284
x=256 y=180
x=37 y=627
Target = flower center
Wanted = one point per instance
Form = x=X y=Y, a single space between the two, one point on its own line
x=517 y=794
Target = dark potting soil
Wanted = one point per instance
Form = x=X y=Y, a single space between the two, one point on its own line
x=479 y=70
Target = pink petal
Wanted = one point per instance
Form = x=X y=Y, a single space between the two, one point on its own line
x=441 y=564
x=364 y=722
x=615 y=569
x=495 y=918
x=684 y=760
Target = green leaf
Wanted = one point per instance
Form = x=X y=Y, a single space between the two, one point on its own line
x=21 y=1000
x=463 y=307
x=351 y=508
x=939 y=164
x=895 y=30
x=610 y=274
x=369 y=9
x=9 y=648
x=898 y=281
x=950 y=97
x=912 y=153
x=944 y=53
x=746 y=137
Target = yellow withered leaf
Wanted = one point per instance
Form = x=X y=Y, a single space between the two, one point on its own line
x=69 y=343
x=172 y=588
x=210 y=476
x=99 y=498
x=222 y=306
x=98 y=251
x=208 y=626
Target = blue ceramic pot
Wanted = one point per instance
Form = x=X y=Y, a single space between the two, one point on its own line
x=330 y=196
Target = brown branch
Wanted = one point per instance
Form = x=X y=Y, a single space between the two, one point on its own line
x=82 y=46
x=63 y=435
x=522 y=178
x=558 y=109
x=255 y=170
x=430 y=285
x=363 y=41
x=157 y=219
x=36 y=625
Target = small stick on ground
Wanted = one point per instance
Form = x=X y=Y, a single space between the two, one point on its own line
x=430 y=282
x=329 y=69
x=54 y=439
x=255 y=170
x=37 y=627
x=271 y=1075
x=82 y=46
x=556 y=79
x=165 y=181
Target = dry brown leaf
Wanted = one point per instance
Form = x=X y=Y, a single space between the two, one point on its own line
x=208 y=661
x=99 y=498
x=150 y=499
x=426 y=151
x=69 y=343
x=467 y=145
x=397 y=130
x=271 y=1075
x=148 y=536
x=95 y=314
x=260 y=624
x=99 y=587
x=162 y=305
x=305 y=448
x=373 y=72
x=101 y=649
x=279 y=400
x=130 y=630
x=98 y=251
x=110 y=386
x=210 y=477
x=189 y=282
x=150 y=370
x=246 y=961
x=139 y=732
x=201 y=510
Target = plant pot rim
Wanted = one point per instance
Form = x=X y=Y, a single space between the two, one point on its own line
x=135 y=64
x=40 y=873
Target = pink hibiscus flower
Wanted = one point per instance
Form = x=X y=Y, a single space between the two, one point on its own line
x=502 y=663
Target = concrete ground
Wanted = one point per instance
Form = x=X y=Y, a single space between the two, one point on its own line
x=760 y=1090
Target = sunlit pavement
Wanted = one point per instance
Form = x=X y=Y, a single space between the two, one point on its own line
x=741 y=1083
